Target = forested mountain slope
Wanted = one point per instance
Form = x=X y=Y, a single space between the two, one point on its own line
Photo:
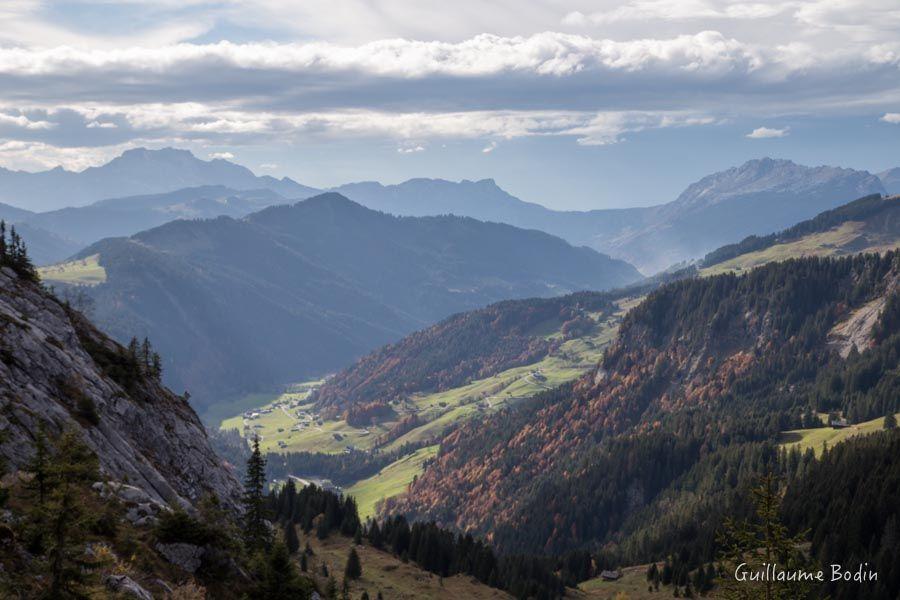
x=850 y=502
x=649 y=451
x=295 y=291
x=466 y=346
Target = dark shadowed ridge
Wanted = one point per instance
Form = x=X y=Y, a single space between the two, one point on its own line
x=300 y=290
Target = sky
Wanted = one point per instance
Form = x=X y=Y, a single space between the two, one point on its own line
x=572 y=104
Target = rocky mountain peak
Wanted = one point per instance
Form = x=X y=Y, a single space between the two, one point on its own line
x=770 y=175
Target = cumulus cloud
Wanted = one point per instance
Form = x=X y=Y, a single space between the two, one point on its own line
x=608 y=128
x=547 y=53
x=221 y=155
x=21 y=121
x=389 y=69
x=217 y=124
x=768 y=132
x=891 y=118
x=32 y=156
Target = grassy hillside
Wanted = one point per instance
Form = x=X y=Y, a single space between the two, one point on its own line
x=292 y=422
x=847 y=238
x=382 y=572
x=816 y=438
x=870 y=224
x=390 y=481
x=83 y=271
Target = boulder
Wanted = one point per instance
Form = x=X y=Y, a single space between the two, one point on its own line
x=126 y=586
x=187 y=556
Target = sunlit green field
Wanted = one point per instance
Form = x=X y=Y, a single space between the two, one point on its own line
x=86 y=271
x=390 y=481
x=816 y=438
x=288 y=422
x=848 y=237
x=438 y=411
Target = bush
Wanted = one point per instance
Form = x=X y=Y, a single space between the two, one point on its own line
x=87 y=409
x=179 y=527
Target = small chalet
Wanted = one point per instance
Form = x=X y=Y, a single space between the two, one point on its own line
x=610 y=575
x=838 y=422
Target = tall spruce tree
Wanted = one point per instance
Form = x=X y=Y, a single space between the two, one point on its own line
x=256 y=530
x=353 y=569
x=278 y=578
x=65 y=518
x=14 y=254
x=765 y=541
x=290 y=537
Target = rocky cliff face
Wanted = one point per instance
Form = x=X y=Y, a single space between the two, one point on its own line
x=56 y=369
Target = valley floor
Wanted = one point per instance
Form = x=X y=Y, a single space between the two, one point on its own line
x=290 y=422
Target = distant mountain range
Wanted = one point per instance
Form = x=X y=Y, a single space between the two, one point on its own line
x=759 y=197
x=118 y=217
x=294 y=291
x=151 y=187
x=136 y=172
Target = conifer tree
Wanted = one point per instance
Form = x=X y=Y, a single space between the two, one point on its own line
x=133 y=350
x=65 y=520
x=14 y=254
x=279 y=579
x=890 y=421
x=156 y=366
x=375 y=537
x=763 y=542
x=353 y=570
x=145 y=355
x=322 y=529
x=256 y=531
x=290 y=538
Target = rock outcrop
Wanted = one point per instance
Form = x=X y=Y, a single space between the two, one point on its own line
x=58 y=371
